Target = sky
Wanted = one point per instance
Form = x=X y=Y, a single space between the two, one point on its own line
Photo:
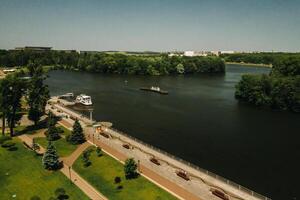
x=151 y=25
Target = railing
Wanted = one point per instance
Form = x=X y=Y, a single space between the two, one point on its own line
x=70 y=112
x=231 y=183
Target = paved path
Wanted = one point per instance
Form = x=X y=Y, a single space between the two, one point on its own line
x=197 y=188
x=28 y=140
x=151 y=175
x=67 y=170
x=73 y=157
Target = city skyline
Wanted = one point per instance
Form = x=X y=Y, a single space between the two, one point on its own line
x=152 y=26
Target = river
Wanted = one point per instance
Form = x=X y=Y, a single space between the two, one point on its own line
x=201 y=122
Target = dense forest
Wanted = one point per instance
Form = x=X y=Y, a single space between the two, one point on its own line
x=278 y=90
x=267 y=58
x=116 y=63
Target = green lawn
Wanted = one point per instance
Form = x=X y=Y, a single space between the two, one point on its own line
x=22 y=174
x=62 y=146
x=66 y=131
x=101 y=175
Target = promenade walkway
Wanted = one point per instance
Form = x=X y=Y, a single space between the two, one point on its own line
x=198 y=188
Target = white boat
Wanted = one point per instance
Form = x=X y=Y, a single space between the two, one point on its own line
x=84 y=99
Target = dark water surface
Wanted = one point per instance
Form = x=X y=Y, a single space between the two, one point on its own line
x=201 y=122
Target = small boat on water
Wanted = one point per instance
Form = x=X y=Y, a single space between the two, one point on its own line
x=84 y=99
x=154 y=89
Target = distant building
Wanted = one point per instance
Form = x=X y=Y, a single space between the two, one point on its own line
x=227 y=52
x=32 y=48
x=189 y=53
x=195 y=53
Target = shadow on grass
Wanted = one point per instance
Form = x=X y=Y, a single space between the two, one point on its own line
x=31 y=129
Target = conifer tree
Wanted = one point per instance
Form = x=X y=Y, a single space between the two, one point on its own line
x=50 y=158
x=77 y=136
x=52 y=134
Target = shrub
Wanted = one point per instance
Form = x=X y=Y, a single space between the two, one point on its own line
x=130 y=168
x=86 y=157
x=61 y=194
x=98 y=151
x=117 y=179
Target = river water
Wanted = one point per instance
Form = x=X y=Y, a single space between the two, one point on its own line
x=201 y=122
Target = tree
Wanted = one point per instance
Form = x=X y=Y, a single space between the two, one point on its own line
x=4 y=89
x=180 y=68
x=38 y=93
x=13 y=91
x=52 y=133
x=50 y=159
x=130 y=168
x=77 y=136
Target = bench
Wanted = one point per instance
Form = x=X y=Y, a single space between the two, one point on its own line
x=155 y=161
x=126 y=146
x=183 y=175
x=220 y=194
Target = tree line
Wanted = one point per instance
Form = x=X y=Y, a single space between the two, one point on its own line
x=14 y=90
x=267 y=58
x=115 y=63
x=278 y=90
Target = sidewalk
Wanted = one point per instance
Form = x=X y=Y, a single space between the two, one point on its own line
x=67 y=170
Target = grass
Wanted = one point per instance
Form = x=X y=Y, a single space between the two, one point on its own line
x=22 y=174
x=101 y=175
x=66 y=131
x=62 y=146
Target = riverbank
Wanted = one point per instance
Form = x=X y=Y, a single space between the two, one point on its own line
x=249 y=64
x=200 y=184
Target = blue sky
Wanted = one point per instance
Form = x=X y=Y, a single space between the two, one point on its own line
x=157 y=25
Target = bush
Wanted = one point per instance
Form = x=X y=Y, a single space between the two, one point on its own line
x=117 y=179
x=61 y=194
x=8 y=144
x=130 y=168
x=86 y=157
x=4 y=138
x=98 y=151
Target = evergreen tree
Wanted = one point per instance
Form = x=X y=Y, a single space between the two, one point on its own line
x=77 y=136
x=52 y=134
x=50 y=158
x=38 y=94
